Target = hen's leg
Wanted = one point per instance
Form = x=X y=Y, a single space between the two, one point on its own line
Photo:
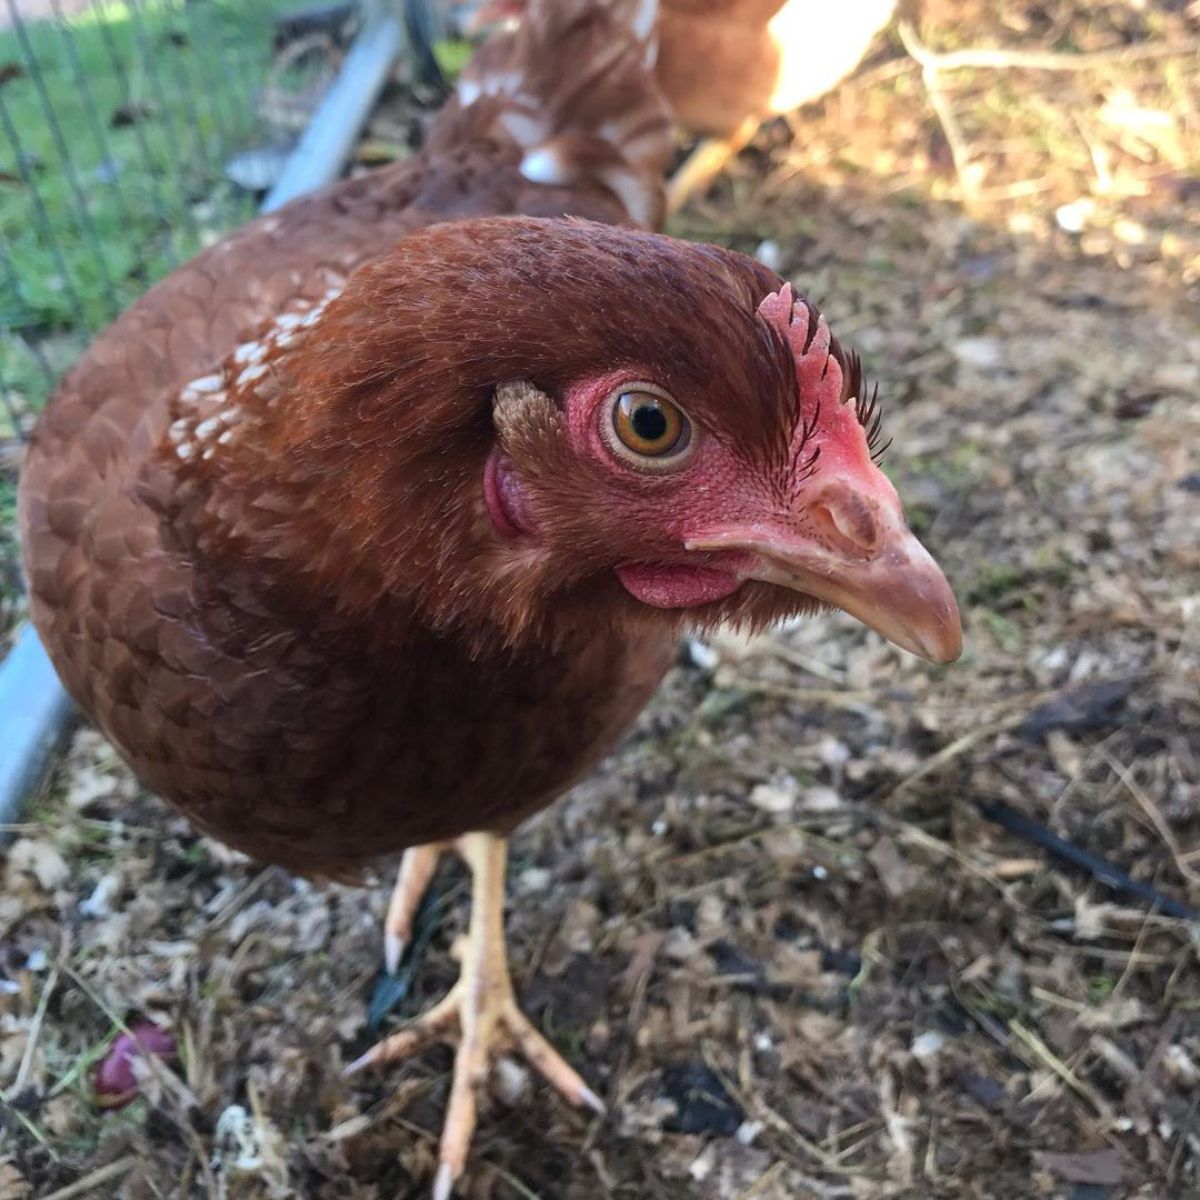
x=705 y=163
x=484 y=1009
x=416 y=870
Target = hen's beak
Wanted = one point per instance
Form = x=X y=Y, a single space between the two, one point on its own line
x=855 y=551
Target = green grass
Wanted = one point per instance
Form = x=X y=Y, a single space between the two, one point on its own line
x=144 y=189
x=146 y=147
x=8 y=543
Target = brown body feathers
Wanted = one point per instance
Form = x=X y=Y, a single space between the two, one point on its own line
x=297 y=727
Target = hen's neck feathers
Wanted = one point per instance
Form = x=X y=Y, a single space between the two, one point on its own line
x=339 y=457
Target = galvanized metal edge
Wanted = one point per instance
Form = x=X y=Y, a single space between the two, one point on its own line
x=34 y=707
x=329 y=139
x=33 y=712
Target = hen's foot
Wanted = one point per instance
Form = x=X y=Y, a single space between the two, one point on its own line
x=481 y=1014
x=416 y=870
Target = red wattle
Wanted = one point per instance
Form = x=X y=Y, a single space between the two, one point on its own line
x=663 y=586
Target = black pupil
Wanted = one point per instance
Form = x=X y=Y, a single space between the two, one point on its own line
x=649 y=422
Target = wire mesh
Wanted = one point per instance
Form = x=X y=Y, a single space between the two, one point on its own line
x=121 y=122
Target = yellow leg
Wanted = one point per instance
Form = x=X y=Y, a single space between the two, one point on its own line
x=416 y=870
x=483 y=1006
x=705 y=163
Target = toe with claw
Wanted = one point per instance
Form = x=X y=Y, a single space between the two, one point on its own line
x=480 y=1013
x=416 y=870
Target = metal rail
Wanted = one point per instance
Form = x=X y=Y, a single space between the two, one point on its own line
x=326 y=145
x=34 y=708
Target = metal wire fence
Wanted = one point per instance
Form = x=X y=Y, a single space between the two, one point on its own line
x=132 y=133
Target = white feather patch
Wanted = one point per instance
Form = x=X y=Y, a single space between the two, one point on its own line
x=544 y=165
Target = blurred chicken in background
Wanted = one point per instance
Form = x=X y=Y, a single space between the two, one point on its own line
x=725 y=66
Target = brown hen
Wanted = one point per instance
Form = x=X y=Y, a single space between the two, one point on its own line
x=724 y=66
x=374 y=526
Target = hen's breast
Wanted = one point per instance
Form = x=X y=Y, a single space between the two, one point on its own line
x=302 y=754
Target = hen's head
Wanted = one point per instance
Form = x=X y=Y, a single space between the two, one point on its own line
x=542 y=421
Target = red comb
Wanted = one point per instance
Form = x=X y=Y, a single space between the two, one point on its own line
x=821 y=377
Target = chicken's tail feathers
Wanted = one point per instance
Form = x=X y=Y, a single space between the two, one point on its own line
x=573 y=89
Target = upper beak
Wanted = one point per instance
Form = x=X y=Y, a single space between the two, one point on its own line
x=864 y=560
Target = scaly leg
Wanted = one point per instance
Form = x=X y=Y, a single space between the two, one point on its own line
x=705 y=163
x=416 y=870
x=483 y=1006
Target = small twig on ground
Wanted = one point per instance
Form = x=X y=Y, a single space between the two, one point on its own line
x=39 y=1017
x=1098 y=158
x=948 y=754
x=1096 y=866
x=239 y=899
x=775 y=691
x=1147 y=805
x=960 y=152
x=93 y=1180
x=760 y=1184
x=753 y=1102
x=933 y=64
x=1002 y=59
x=916 y=836
x=806 y=662
x=1134 y=957
x=1181 y=1140
x=30 y=1127
x=1054 y=1000
x=1144 y=1085
x=522 y=1190
x=1048 y=1058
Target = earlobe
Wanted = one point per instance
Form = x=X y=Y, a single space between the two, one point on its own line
x=523 y=414
x=532 y=433
x=530 y=451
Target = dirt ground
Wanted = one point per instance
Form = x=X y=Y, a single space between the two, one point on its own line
x=777 y=932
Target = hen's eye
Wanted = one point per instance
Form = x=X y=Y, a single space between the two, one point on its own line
x=646 y=425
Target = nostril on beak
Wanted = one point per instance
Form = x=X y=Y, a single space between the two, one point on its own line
x=848 y=522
